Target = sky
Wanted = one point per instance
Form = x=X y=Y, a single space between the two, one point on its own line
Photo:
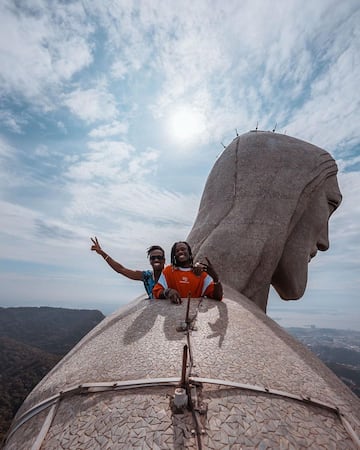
x=112 y=114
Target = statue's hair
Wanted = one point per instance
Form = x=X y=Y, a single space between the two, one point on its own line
x=174 y=261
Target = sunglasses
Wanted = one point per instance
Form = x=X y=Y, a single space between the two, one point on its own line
x=156 y=257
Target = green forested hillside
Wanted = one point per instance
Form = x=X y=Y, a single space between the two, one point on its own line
x=32 y=341
x=54 y=330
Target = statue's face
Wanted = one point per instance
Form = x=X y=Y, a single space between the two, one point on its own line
x=309 y=235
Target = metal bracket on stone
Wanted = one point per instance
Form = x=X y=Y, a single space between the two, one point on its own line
x=198 y=407
x=188 y=394
x=189 y=323
x=180 y=399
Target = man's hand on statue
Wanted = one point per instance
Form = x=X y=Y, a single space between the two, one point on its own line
x=174 y=296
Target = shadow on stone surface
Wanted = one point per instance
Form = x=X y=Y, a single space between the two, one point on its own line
x=145 y=321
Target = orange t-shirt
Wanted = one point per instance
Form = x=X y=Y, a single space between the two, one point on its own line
x=184 y=281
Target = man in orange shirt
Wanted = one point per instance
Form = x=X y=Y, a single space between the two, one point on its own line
x=181 y=278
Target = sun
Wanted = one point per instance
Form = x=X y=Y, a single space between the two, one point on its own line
x=186 y=124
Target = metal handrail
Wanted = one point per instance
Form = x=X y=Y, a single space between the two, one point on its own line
x=94 y=387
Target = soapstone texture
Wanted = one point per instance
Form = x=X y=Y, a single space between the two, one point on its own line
x=264 y=213
x=233 y=340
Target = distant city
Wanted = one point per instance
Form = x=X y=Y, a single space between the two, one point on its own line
x=338 y=349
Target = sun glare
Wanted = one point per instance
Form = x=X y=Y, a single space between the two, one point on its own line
x=186 y=124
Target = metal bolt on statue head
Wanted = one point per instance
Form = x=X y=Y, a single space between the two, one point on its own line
x=264 y=214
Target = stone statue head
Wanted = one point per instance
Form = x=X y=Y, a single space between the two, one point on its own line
x=264 y=214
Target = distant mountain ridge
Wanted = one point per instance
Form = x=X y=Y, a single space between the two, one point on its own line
x=32 y=341
x=54 y=330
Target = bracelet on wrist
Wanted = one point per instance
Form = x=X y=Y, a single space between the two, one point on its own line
x=107 y=257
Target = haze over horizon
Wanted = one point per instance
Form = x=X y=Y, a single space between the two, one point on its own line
x=113 y=114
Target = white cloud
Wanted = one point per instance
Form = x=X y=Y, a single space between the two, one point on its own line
x=48 y=46
x=111 y=129
x=344 y=223
x=330 y=115
x=253 y=68
x=347 y=164
x=61 y=127
x=119 y=69
x=17 y=220
x=42 y=151
x=8 y=159
x=13 y=122
x=103 y=162
x=92 y=104
x=113 y=181
x=6 y=150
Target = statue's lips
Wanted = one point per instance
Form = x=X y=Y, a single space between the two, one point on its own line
x=312 y=255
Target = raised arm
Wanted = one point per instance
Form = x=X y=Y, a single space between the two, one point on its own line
x=119 y=268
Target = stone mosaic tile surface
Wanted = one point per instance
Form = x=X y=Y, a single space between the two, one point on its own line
x=231 y=340
x=143 y=420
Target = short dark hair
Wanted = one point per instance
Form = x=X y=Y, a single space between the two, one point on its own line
x=174 y=261
x=155 y=247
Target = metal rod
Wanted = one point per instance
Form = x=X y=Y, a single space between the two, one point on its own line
x=45 y=428
x=183 y=370
x=187 y=319
x=198 y=426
